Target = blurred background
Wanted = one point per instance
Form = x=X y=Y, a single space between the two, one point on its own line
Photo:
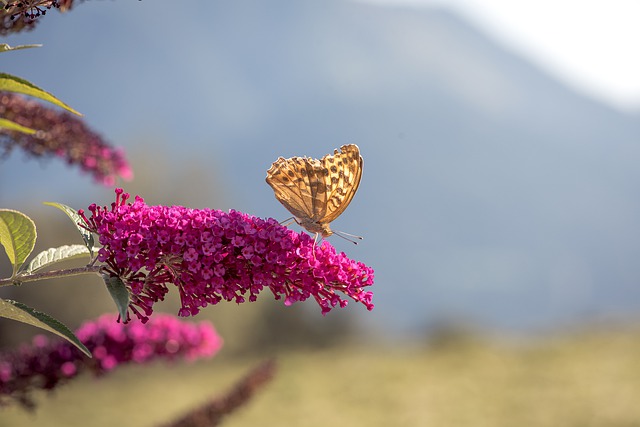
x=498 y=200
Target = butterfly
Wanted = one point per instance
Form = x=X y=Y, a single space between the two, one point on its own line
x=315 y=191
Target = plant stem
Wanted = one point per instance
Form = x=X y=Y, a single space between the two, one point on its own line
x=55 y=274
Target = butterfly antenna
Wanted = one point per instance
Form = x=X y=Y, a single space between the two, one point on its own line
x=348 y=237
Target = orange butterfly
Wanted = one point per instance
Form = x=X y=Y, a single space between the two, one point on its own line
x=317 y=191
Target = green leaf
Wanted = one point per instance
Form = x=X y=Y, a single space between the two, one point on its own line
x=55 y=255
x=22 y=313
x=5 y=47
x=8 y=124
x=11 y=83
x=17 y=235
x=87 y=236
x=119 y=293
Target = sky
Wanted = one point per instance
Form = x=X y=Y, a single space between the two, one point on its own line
x=591 y=45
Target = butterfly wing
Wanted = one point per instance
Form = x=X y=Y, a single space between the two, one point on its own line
x=317 y=191
x=344 y=173
x=294 y=182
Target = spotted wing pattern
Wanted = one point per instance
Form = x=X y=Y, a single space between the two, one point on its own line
x=315 y=191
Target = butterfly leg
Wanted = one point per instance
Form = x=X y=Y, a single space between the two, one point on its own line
x=288 y=221
x=315 y=243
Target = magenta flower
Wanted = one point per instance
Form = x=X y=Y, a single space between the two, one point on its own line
x=45 y=364
x=212 y=256
x=63 y=135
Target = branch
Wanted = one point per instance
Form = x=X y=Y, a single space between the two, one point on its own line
x=212 y=412
x=55 y=274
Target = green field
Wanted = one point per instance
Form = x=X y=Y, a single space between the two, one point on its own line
x=579 y=380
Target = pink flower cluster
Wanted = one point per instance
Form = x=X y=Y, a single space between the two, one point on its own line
x=45 y=364
x=212 y=256
x=16 y=16
x=63 y=135
x=22 y=15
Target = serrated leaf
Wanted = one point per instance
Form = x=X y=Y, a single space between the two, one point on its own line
x=8 y=124
x=119 y=293
x=87 y=236
x=22 y=313
x=15 y=84
x=55 y=255
x=5 y=47
x=17 y=235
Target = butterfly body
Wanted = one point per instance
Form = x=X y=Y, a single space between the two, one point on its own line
x=316 y=191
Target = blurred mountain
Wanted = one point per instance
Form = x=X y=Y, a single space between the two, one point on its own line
x=491 y=192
